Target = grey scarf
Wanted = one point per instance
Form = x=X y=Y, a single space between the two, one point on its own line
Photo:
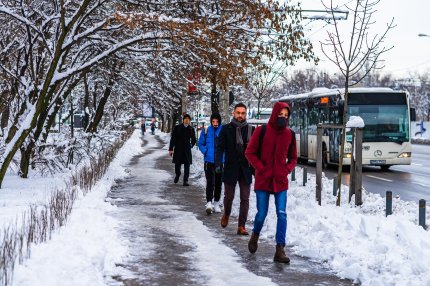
x=239 y=139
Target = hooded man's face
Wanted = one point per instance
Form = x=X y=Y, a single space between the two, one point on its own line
x=284 y=113
x=215 y=122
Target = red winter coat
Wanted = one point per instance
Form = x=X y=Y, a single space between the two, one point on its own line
x=272 y=168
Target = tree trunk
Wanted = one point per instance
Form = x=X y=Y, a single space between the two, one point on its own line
x=4 y=110
x=214 y=94
x=52 y=116
x=342 y=143
x=92 y=126
x=86 y=118
x=258 y=108
x=9 y=155
x=26 y=156
x=176 y=118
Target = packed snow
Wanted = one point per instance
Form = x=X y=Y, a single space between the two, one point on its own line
x=355 y=121
x=357 y=243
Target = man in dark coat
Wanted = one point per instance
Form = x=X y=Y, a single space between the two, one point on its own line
x=182 y=140
x=233 y=140
x=142 y=126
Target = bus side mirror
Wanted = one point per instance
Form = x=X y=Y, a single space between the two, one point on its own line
x=340 y=107
x=413 y=114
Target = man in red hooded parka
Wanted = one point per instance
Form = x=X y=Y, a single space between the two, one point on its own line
x=272 y=161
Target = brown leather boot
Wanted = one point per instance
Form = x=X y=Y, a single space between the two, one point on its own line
x=241 y=230
x=253 y=243
x=280 y=255
x=224 y=220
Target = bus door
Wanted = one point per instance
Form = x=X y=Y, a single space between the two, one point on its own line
x=303 y=124
x=335 y=134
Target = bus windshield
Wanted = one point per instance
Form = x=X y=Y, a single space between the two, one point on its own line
x=384 y=122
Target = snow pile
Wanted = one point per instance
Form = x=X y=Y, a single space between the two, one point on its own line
x=355 y=121
x=88 y=247
x=358 y=243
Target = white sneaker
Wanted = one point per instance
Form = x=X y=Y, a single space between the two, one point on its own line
x=217 y=208
x=209 y=208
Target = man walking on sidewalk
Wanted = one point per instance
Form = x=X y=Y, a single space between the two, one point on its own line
x=182 y=140
x=272 y=152
x=208 y=140
x=234 y=138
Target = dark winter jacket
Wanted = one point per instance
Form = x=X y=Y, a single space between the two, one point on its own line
x=208 y=141
x=235 y=164
x=182 y=140
x=272 y=167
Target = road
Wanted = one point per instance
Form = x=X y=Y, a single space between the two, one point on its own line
x=410 y=183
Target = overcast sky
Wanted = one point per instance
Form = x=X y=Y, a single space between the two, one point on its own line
x=410 y=53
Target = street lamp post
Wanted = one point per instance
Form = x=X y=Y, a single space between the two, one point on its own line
x=428 y=113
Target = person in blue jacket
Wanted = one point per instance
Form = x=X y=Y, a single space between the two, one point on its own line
x=207 y=144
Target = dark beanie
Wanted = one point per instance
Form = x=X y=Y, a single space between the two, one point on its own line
x=216 y=116
x=186 y=115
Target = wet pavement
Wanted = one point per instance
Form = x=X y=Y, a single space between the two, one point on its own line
x=163 y=244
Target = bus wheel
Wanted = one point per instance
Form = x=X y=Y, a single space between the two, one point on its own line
x=324 y=157
x=385 y=167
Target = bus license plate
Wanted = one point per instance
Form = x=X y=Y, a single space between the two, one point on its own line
x=377 y=162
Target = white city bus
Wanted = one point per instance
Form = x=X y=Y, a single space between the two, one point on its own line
x=386 y=115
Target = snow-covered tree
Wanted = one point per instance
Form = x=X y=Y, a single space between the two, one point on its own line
x=48 y=47
x=361 y=52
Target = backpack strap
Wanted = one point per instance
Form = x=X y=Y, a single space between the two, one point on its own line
x=293 y=140
x=260 y=139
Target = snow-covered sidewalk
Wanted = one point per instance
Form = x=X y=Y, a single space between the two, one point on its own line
x=169 y=245
x=358 y=243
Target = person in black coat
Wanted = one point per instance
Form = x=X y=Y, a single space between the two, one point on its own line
x=233 y=140
x=142 y=126
x=182 y=140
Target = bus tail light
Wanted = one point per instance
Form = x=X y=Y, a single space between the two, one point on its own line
x=405 y=155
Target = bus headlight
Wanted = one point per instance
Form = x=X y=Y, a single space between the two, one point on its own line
x=404 y=155
x=347 y=155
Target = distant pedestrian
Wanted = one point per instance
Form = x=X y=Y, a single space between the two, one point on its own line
x=153 y=127
x=208 y=141
x=273 y=160
x=233 y=140
x=142 y=126
x=182 y=140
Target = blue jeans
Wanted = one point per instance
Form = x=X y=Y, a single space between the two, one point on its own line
x=263 y=206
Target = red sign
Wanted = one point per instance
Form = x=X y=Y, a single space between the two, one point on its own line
x=194 y=80
x=192 y=84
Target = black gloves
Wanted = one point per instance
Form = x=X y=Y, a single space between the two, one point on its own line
x=218 y=169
